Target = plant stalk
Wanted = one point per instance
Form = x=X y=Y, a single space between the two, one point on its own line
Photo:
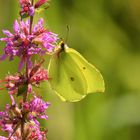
x=25 y=96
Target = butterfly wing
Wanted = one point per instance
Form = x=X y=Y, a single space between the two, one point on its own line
x=93 y=77
x=66 y=78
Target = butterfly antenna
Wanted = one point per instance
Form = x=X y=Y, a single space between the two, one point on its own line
x=67 y=34
x=63 y=42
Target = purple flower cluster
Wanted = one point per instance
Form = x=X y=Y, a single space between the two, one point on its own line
x=27 y=9
x=22 y=44
x=13 y=83
x=12 y=118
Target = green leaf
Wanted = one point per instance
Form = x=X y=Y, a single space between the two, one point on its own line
x=22 y=89
x=25 y=15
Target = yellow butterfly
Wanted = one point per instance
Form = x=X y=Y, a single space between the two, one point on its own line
x=72 y=76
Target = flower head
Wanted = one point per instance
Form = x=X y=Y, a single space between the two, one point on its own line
x=23 y=44
x=26 y=8
x=37 y=108
x=11 y=119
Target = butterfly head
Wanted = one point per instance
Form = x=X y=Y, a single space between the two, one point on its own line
x=63 y=46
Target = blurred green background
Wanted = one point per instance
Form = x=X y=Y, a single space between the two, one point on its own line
x=107 y=34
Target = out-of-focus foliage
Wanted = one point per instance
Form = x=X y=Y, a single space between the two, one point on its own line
x=107 y=33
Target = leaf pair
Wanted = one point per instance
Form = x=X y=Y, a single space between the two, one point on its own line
x=72 y=76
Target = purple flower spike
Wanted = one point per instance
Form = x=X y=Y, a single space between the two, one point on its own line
x=21 y=117
x=23 y=44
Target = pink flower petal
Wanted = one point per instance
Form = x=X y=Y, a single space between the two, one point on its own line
x=3 y=138
x=16 y=27
x=7 y=33
x=21 y=64
x=3 y=57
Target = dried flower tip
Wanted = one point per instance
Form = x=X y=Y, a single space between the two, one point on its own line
x=40 y=2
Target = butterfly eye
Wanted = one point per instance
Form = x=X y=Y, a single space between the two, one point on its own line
x=62 y=46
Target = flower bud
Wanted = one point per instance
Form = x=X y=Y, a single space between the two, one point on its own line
x=39 y=3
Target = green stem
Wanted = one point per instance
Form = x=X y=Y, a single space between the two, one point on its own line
x=25 y=96
x=27 y=61
x=31 y=20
